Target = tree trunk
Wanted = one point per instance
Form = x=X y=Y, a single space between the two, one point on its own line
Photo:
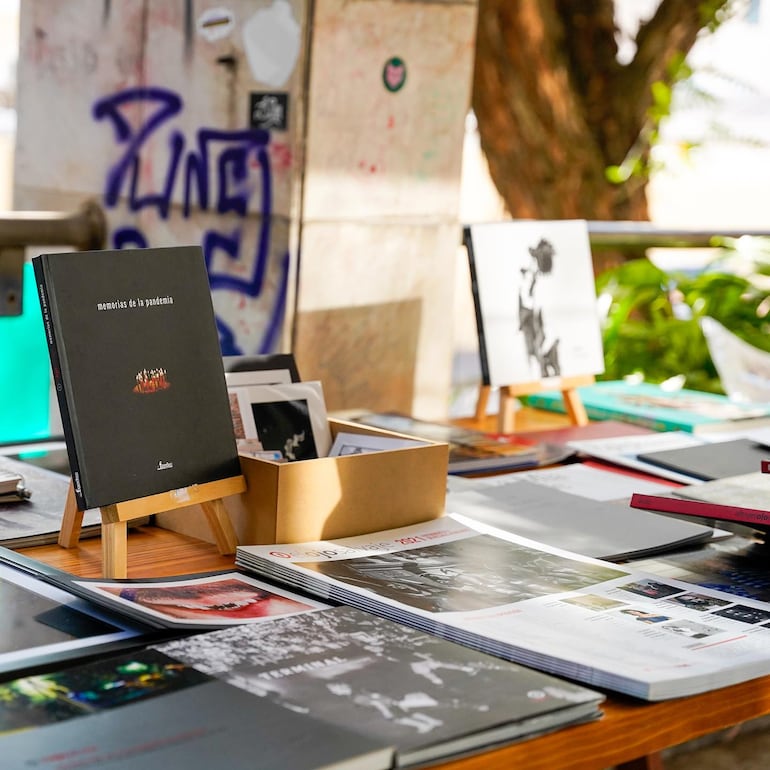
x=555 y=108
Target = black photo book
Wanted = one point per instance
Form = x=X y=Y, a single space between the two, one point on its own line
x=713 y=460
x=138 y=371
x=146 y=710
x=427 y=697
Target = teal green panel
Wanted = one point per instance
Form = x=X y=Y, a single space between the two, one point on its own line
x=24 y=370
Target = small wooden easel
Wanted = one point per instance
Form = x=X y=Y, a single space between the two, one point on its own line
x=115 y=519
x=506 y=415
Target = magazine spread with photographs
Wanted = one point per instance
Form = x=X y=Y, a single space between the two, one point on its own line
x=196 y=601
x=287 y=418
x=604 y=624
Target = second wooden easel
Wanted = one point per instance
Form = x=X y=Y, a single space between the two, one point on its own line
x=506 y=415
x=115 y=519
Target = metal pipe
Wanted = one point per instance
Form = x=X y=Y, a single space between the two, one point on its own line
x=84 y=229
x=645 y=235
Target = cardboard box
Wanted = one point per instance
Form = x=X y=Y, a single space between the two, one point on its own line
x=330 y=497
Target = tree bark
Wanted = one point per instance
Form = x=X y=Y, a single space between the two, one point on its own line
x=555 y=107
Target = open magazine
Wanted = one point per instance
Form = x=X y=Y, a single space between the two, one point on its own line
x=599 y=623
x=200 y=601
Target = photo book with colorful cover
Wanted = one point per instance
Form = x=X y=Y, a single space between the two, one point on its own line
x=653 y=406
x=138 y=371
x=203 y=600
x=535 y=300
x=147 y=710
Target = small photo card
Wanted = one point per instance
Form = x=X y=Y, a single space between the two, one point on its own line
x=267 y=369
x=361 y=443
x=290 y=418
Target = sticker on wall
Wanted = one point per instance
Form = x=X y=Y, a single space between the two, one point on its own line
x=216 y=23
x=269 y=111
x=394 y=74
x=271 y=39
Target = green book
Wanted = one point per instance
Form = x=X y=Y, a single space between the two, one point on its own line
x=652 y=406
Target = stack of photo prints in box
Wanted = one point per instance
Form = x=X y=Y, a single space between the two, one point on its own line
x=278 y=417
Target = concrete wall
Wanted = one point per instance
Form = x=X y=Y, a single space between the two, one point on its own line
x=9 y=44
x=145 y=106
x=170 y=115
x=380 y=221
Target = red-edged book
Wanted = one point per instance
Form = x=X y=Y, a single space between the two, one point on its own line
x=751 y=517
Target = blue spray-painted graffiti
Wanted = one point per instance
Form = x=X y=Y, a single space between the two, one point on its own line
x=233 y=155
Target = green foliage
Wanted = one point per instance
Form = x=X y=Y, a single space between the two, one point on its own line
x=639 y=162
x=652 y=325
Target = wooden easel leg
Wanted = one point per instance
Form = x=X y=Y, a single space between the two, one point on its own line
x=481 y=403
x=221 y=526
x=115 y=549
x=506 y=416
x=72 y=521
x=574 y=406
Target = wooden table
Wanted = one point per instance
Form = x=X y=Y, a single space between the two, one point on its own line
x=630 y=736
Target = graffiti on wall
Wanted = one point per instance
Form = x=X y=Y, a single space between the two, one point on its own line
x=227 y=173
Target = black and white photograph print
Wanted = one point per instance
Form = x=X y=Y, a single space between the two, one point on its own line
x=535 y=299
x=289 y=418
x=691 y=629
x=700 y=602
x=267 y=369
x=744 y=613
x=470 y=574
x=285 y=426
x=361 y=443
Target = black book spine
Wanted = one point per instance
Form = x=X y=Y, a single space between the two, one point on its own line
x=58 y=380
x=468 y=242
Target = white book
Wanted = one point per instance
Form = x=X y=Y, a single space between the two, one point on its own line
x=535 y=300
